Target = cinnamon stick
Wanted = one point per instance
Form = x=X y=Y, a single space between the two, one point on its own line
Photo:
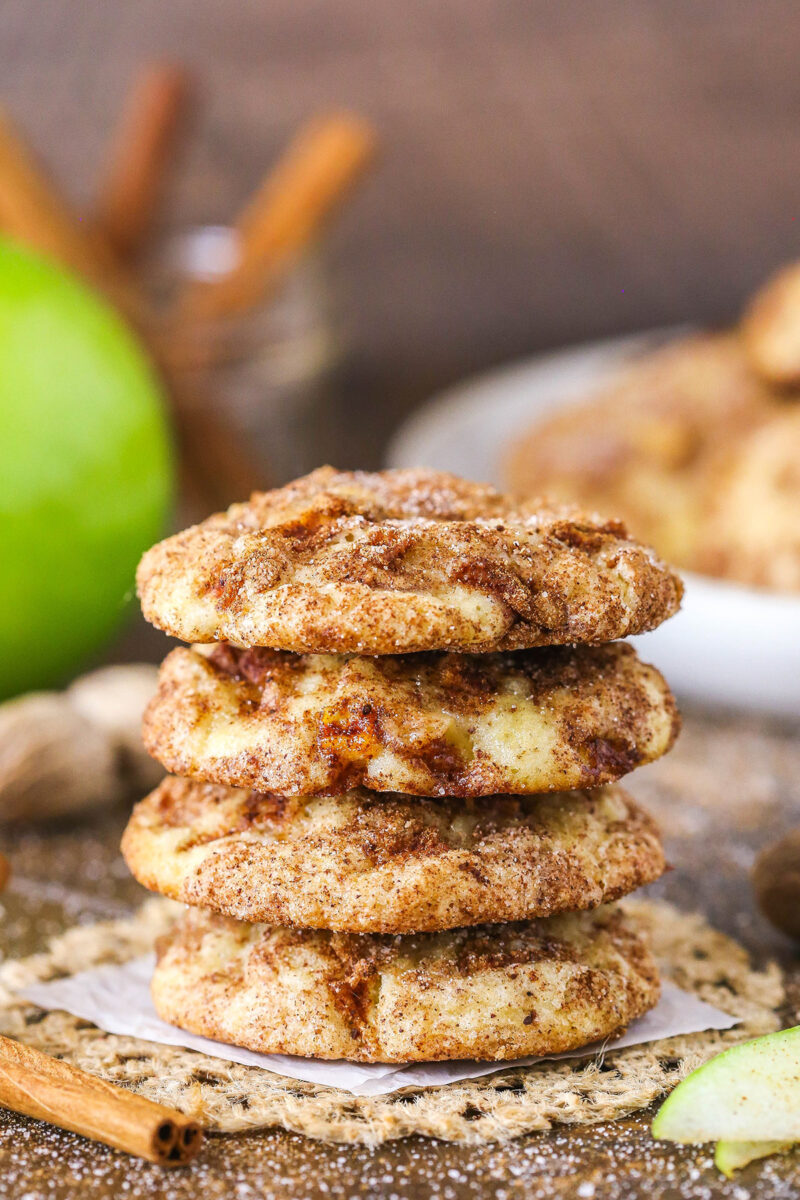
x=296 y=198
x=32 y=211
x=43 y=1087
x=5 y=871
x=139 y=157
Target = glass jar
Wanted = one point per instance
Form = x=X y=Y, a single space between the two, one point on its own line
x=266 y=372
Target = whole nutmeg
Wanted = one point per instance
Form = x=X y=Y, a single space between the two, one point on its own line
x=53 y=761
x=776 y=883
x=67 y=752
x=114 y=699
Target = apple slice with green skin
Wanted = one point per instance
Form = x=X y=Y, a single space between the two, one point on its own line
x=750 y=1093
x=730 y=1157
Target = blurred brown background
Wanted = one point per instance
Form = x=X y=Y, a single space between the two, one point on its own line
x=551 y=172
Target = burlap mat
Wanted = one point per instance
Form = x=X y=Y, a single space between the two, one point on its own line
x=228 y=1097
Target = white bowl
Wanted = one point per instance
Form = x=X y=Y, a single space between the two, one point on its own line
x=729 y=644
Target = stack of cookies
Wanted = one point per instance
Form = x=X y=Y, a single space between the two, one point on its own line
x=395 y=745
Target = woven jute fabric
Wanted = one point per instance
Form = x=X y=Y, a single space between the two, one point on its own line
x=227 y=1097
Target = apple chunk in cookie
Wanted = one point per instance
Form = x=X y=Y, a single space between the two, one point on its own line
x=428 y=725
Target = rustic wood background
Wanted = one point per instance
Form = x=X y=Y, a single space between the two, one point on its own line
x=551 y=172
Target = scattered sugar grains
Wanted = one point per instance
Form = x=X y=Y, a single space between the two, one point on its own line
x=611 y=1161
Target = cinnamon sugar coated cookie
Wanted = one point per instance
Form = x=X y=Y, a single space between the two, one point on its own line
x=390 y=864
x=398 y=561
x=428 y=724
x=649 y=444
x=753 y=531
x=490 y=992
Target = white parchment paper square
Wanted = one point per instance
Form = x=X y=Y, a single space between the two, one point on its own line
x=117 y=999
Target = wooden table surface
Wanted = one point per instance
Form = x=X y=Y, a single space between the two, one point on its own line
x=730 y=785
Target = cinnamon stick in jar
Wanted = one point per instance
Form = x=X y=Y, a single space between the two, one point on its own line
x=43 y=1087
x=295 y=200
x=140 y=156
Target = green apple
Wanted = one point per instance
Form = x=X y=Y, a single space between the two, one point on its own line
x=730 y=1157
x=749 y=1094
x=85 y=469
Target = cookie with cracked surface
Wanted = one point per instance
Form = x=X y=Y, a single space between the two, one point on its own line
x=489 y=992
x=399 y=561
x=753 y=532
x=427 y=724
x=648 y=445
x=771 y=328
x=389 y=864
